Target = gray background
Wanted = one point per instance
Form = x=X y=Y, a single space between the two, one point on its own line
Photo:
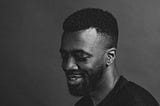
x=30 y=30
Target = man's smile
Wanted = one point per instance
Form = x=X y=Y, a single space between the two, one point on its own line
x=74 y=79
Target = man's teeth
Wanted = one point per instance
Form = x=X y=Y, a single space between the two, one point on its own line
x=74 y=77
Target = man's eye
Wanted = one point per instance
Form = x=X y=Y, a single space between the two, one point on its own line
x=81 y=57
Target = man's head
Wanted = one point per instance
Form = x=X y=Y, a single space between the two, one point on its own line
x=88 y=48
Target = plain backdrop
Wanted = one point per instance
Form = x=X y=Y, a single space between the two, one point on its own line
x=30 y=32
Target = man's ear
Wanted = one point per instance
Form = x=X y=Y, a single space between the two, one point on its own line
x=110 y=55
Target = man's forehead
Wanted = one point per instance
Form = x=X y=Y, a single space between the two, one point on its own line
x=89 y=35
x=86 y=40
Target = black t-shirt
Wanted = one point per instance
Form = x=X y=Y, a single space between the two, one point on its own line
x=125 y=93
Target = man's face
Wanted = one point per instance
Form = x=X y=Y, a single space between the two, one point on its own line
x=83 y=60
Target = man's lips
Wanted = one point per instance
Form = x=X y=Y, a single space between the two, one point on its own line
x=74 y=78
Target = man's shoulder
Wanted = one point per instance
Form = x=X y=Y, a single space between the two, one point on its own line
x=136 y=95
x=125 y=93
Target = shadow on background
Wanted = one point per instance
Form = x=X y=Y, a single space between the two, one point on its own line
x=30 y=31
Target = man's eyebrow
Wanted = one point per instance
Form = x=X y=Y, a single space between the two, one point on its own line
x=76 y=51
x=81 y=51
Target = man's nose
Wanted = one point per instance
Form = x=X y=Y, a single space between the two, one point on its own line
x=71 y=64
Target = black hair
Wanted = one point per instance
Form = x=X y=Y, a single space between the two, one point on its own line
x=104 y=22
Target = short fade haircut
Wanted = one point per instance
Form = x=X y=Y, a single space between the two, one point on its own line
x=104 y=22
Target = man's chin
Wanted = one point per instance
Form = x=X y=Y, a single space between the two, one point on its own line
x=76 y=93
x=77 y=90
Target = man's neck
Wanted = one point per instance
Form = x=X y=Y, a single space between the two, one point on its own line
x=107 y=83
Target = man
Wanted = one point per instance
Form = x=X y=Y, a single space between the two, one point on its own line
x=88 y=49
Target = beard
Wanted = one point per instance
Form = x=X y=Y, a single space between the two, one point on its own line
x=89 y=81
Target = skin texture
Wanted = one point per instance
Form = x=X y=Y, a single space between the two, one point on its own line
x=86 y=59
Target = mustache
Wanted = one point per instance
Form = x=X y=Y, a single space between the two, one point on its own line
x=74 y=72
